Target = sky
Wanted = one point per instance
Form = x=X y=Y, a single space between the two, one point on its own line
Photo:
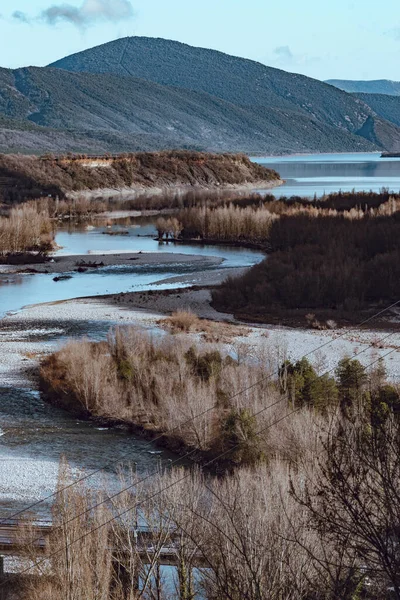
x=341 y=39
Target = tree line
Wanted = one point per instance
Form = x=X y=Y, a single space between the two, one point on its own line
x=329 y=262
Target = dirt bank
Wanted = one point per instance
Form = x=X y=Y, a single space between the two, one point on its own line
x=88 y=262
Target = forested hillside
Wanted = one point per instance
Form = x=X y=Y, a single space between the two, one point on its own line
x=151 y=94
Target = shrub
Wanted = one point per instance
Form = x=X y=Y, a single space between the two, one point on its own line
x=305 y=388
x=182 y=321
x=25 y=229
x=239 y=437
x=326 y=263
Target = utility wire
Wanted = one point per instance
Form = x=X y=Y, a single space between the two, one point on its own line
x=155 y=494
x=188 y=421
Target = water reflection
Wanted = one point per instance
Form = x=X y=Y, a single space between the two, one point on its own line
x=84 y=239
x=325 y=173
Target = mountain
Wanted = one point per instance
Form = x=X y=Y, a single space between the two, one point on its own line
x=387 y=107
x=23 y=136
x=121 y=113
x=152 y=94
x=380 y=132
x=379 y=86
x=236 y=80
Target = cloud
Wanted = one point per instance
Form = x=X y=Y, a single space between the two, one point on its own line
x=21 y=17
x=88 y=13
x=393 y=33
x=282 y=57
x=284 y=53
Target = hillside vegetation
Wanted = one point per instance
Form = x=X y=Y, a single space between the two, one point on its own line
x=23 y=177
x=387 y=107
x=298 y=109
x=237 y=80
x=151 y=94
x=118 y=112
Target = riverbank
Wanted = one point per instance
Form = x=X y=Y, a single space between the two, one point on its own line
x=30 y=177
x=37 y=330
x=90 y=262
x=131 y=192
x=31 y=334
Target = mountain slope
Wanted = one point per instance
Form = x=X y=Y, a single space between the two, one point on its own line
x=149 y=94
x=380 y=132
x=378 y=86
x=126 y=113
x=387 y=107
x=24 y=136
x=236 y=80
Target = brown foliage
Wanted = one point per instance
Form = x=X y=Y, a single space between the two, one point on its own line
x=23 y=177
x=163 y=384
x=327 y=262
x=26 y=228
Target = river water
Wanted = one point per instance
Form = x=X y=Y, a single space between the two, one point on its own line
x=32 y=435
x=19 y=291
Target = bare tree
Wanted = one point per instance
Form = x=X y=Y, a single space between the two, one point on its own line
x=353 y=501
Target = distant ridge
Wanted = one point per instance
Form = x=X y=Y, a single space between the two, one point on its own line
x=109 y=113
x=387 y=107
x=378 y=86
x=149 y=94
x=237 y=80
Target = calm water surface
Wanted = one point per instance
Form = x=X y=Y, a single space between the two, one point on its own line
x=319 y=174
x=22 y=290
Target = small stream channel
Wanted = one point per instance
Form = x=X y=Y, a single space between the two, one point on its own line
x=34 y=435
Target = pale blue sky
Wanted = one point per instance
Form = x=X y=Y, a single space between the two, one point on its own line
x=351 y=39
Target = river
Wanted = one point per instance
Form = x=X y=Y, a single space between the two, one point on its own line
x=19 y=291
x=33 y=435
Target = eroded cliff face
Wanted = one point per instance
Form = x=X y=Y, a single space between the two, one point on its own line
x=23 y=177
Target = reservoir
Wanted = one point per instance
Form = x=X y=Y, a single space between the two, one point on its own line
x=319 y=174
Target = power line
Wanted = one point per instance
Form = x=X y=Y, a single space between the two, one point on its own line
x=183 y=478
x=189 y=454
x=138 y=504
x=191 y=419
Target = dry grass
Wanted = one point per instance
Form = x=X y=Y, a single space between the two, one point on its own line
x=26 y=228
x=230 y=223
x=214 y=332
x=183 y=321
x=249 y=531
x=162 y=383
x=198 y=396
x=250 y=220
x=227 y=525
